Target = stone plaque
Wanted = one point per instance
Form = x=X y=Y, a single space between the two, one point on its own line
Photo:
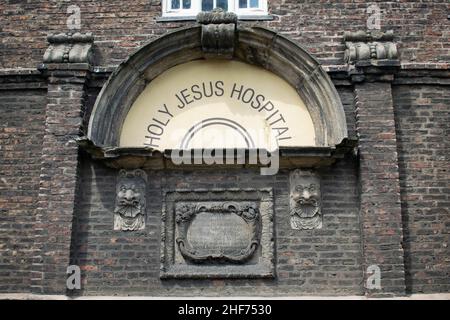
x=217 y=234
x=217 y=231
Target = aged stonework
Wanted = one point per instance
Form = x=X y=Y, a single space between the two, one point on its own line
x=370 y=45
x=305 y=200
x=217 y=230
x=69 y=48
x=230 y=238
x=218 y=33
x=370 y=193
x=129 y=214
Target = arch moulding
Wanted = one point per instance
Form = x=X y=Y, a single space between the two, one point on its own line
x=253 y=45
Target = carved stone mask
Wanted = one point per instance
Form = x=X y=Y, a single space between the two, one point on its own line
x=130 y=201
x=305 y=200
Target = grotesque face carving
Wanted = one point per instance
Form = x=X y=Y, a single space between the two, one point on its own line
x=305 y=201
x=130 y=201
x=306 y=198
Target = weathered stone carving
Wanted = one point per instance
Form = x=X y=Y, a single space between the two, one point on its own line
x=129 y=214
x=69 y=48
x=225 y=239
x=218 y=33
x=219 y=233
x=305 y=200
x=375 y=45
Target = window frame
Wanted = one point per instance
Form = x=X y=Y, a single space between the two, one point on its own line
x=233 y=6
x=261 y=10
x=167 y=11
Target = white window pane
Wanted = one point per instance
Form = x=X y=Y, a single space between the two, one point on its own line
x=222 y=4
x=186 y=4
x=192 y=7
x=207 y=5
x=175 y=4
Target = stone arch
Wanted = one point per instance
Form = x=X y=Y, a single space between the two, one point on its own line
x=256 y=45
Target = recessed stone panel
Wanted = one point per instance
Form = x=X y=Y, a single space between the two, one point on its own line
x=217 y=234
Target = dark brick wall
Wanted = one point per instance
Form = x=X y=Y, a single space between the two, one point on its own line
x=380 y=188
x=347 y=95
x=326 y=261
x=421 y=28
x=58 y=177
x=22 y=114
x=422 y=120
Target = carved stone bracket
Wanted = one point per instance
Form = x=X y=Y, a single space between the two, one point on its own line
x=370 y=46
x=218 y=33
x=305 y=200
x=69 y=48
x=129 y=213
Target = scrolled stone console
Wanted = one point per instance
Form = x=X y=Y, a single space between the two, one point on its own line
x=368 y=46
x=69 y=48
x=218 y=33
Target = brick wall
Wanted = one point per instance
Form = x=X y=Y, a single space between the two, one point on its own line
x=326 y=261
x=421 y=28
x=21 y=131
x=347 y=95
x=58 y=176
x=380 y=187
x=422 y=121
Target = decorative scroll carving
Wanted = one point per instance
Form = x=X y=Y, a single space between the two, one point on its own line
x=362 y=46
x=305 y=200
x=129 y=214
x=249 y=215
x=69 y=48
x=218 y=233
x=218 y=33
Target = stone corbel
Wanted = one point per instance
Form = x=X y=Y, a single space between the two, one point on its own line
x=370 y=48
x=69 y=48
x=218 y=33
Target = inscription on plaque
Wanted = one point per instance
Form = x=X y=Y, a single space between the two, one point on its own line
x=217 y=234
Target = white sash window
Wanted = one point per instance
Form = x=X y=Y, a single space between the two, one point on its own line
x=190 y=8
